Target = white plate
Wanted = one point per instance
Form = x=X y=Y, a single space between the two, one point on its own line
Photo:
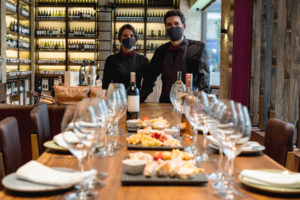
x=12 y=183
x=255 y=149
x=273 y=189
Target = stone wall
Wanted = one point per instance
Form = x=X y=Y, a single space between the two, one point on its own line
x=193 y=21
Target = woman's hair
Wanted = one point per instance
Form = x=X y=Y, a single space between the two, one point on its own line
x=127 y=26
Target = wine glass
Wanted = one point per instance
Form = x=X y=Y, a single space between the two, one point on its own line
x=232 y=134
x=176 y=97
x=113 y=106
x=98 y=105
x=120 y=88
x=195 y=106
x=78 y=146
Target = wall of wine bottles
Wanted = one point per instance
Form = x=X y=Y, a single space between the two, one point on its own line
x=18 y=48
x=147 y=18
x=68 y=30
x=66 y=34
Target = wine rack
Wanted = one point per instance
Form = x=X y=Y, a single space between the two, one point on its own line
x=66 y=31
x=147 y=18
x=66 y=34
x=19 y=42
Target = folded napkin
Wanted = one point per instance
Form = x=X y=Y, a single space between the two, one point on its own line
x=252 y=146
x=69 y=135
x=248 y=146
x=274 y=179
x=34 y=171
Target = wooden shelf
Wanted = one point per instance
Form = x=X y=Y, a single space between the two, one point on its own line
x=82 y=20
x=52 y=50
x=82 y=38
x=26 y=2
x=82 y=50
x=23 y=49
x=79 y=5
x=11 y=48
x=24 y=17
x=11 y=12
x=48 y=37
x=11 y=63
x=60 y=63
x=51 y=4
x=11 y=32
x=51 y=20
x=130 y=6
x=15 y=33
x=131 y=21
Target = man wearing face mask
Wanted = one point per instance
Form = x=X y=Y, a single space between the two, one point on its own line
x=180 y=54
x=117 y=67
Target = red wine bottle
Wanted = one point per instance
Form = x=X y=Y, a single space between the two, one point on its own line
x=133 y=99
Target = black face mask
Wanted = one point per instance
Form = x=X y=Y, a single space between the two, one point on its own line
x=128 y=43
x=175 y=33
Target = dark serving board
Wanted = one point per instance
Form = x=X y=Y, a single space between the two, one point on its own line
x=155 y=148
x=127 y=179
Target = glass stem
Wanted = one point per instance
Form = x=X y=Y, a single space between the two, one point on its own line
x=230 y=172
x=204 y=140
x=116 y=133
x=81 y=166
x=195 y=134
x=178 y=119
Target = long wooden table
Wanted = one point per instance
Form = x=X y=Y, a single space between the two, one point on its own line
x=113 y=165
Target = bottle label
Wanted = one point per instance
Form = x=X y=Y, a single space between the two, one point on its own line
x=133 y=103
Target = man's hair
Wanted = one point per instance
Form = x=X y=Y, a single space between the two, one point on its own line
x=127 y=26
x=171 y=13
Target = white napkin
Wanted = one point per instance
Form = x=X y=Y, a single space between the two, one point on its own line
x=34 y=171
x=251 y=146
x=59 y=139
x=248 y=146
x=274 y=179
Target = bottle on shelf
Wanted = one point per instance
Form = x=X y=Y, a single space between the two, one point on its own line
x=137 y=16
x=12 y=5
x=51 y=14
x=133 y=98
x=82 y=14
x=81 y=45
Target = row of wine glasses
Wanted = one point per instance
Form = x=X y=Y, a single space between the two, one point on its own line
x=227 y=121
x=94 y=127
x=229 y=124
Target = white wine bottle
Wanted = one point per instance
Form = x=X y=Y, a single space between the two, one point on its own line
x=133 y=99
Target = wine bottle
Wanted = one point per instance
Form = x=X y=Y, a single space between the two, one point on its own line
x=189 y=82
x=133 y=99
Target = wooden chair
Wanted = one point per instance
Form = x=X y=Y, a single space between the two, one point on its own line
x=279 y=139
x=10 y=149
x=2 y=92
x=40 y=119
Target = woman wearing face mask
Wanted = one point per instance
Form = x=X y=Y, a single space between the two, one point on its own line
x=118 y=66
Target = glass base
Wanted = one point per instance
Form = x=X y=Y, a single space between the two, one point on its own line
x=231 y=193
x=94 y=184
x=81 y=195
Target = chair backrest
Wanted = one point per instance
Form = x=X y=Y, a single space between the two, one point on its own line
x=278 y=139
x=40 y=118
x=2 y=92
x=10 y=145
